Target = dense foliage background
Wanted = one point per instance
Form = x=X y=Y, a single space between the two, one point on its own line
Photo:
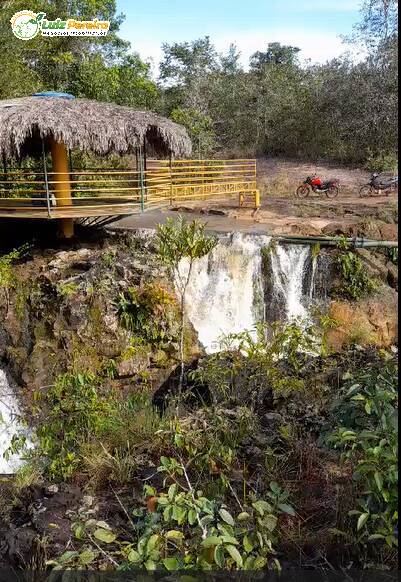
x=344 y=110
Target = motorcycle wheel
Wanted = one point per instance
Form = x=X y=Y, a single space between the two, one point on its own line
x=303 y=191
x=366 y=191
x=332 y=192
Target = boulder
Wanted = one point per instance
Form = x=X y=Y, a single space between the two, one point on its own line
x=371 y=321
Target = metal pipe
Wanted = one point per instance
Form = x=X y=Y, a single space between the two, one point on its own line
x=356 y=242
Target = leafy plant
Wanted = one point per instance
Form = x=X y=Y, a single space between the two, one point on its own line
x=148 y=311
x=70 y=413
x=356 y=281
x=7 y=275
x=179 y=245
x=268 y=357
x=368 y=437
x=67 y=288
x=181 y=529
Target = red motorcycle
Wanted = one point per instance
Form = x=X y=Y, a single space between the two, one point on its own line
x=315 y=184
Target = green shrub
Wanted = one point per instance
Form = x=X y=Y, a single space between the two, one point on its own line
x=149 y=311
x=70 y=413
x=382 y=162
x=355 y=279
x=368 y=438
x=181 y=529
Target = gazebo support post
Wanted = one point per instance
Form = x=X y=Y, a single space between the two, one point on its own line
x=142 y=177
x=48 y=203
x=62 y=184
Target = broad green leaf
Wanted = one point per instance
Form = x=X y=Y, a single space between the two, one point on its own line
x=172 y=492
x=104 y=535
x=67 y=556
x=174 y=534
x=152 y=541
x=270 y=522
x=150 y=565
x=211 y=541
x=379 y=480
x=87 y=557
x=192 y=516
x=248 y=546
x=285 y=508
x=249 y=562
x=219 y=556
x=230 y=540
x=225 y=516
x=259 y=563
x=234 y=553
x=243 y=516
x=363 y=518
x=376 y=537
x=171 y=564
x=206 y=520
x=79 y=532
x=275 y=487
x=134 y=557
x=167 y=513
x=261 y=506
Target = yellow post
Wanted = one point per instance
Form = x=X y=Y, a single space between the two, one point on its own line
x=257 y=199
x=62 y=184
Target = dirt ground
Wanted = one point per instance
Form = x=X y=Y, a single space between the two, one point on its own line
x=282 y=213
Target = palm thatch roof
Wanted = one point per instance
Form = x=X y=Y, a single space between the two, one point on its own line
x=101 y=128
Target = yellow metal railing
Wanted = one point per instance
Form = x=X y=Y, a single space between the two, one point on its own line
x=163 y=183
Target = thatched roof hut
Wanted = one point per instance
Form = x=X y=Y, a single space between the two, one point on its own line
x=101 y=128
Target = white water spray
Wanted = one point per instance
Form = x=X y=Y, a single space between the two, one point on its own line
x=288 y=268
x=225 y=293
x=10 y=425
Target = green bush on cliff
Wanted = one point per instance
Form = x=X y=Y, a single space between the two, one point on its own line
x=148 y=311
x=355 y=279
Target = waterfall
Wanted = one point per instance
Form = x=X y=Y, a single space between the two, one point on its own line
x=230 y=290
x=10 y=424
x=225 y=293
x=288 y=264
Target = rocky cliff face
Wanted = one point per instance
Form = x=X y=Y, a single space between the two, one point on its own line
x=60 y=313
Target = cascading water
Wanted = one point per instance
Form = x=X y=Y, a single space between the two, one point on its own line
x=225 y=293
x=10 y=425
x=288 y=264
x=229 y=290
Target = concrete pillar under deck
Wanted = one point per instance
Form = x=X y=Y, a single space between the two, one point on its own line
x=62 y=184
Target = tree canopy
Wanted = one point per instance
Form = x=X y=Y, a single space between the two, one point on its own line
x=345 y=109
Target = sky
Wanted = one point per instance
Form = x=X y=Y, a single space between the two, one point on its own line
x=314 y=26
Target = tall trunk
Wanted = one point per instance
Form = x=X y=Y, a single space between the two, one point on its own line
x=182 y=322
x=181 y=381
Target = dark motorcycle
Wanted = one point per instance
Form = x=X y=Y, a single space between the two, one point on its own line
x=315 y=184
x=379 y=184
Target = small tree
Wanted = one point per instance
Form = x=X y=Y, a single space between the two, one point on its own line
x=179 y=241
